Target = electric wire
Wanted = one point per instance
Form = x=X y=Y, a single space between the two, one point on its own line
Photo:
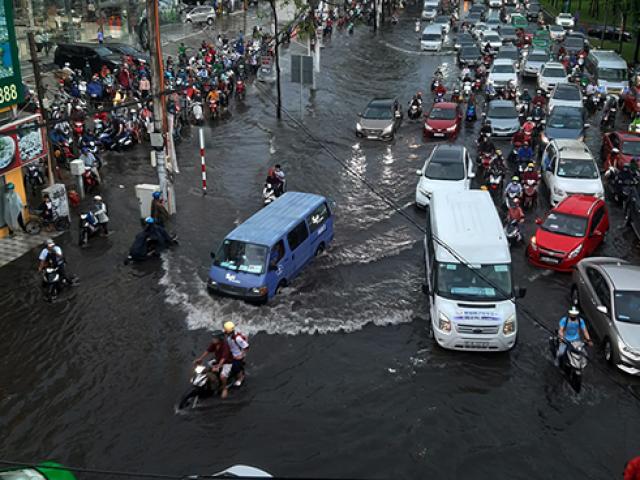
x=398 y=209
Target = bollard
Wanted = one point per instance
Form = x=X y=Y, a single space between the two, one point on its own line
x=203 y=165
x=77 y=169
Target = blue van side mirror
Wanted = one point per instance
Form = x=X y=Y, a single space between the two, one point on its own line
x=212 y=255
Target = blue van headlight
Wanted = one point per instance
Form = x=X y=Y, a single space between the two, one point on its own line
x=260 y=290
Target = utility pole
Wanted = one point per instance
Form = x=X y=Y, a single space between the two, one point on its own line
x=40 y=93
x=159 y=111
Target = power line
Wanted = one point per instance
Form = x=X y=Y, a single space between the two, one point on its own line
x=398 y=209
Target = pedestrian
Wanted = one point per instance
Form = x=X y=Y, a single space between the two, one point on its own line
x=100 y=35
x=159 y=212
x=13 y=209
x=100 y=212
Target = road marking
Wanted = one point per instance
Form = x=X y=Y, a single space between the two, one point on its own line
x=536 y=276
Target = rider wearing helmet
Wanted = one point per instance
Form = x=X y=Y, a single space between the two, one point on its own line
x=530 y=173
x=159 y=212
x=539 y=99
x=219 y=349
x=525 y=153
x=238 y=345
x=513 y=188
x=572 y=329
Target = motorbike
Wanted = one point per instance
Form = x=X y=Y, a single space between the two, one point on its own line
x=608 y=121
x=537 y=114
x=202 y=385
x=530 y=193
x=496 y=177
x=214 y=111
x=88 y=228
x=240 y=89
x=471 y=115
x=196 y=113
x=417 y=25
x=415 y=112
x=150 y=243
x=512 y=232
x=89 y=180
x=51 y=282
x=485 y=159
x=620 y=188
x=477 y=84
x=572 y=363
x=439 y=97
x=467 y=88
x=268 y=194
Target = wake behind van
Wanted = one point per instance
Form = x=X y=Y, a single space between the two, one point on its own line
x=468 y=274
x=271 y=248
x=608 y=69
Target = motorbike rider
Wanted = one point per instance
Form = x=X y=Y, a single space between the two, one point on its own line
x=539 y=99
x=571 y=329
x=530 y=173
x=159 y=212
x=51 y=255
x=100 y=213
x=526 y=98
x=525 y=153
x=440 y=90
x=513 y=188
x=90 y=161
x=238 y=345
x=515 y=212
x=498 y=159
x=221 y=353
x=518 y=138
x=46 y=207
x=415 y=101
x=276 y=177
x=485 y=129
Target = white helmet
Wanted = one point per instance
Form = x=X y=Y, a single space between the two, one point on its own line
x=573 y=311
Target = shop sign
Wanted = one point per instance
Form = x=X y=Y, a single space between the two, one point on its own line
x=10 y=79
x=21 y=142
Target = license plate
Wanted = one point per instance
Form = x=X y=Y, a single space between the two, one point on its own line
x=372 y=137
x=552 y=260
x=436 y=134
x=476 y=344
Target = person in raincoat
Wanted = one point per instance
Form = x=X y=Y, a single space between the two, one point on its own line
x=13 y=209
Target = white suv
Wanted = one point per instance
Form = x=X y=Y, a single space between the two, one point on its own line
x=569 y=168
x=449 y=168
x=565 y=20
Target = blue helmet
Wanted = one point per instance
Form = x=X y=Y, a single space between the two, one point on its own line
x=157 y=195
x=149 y=220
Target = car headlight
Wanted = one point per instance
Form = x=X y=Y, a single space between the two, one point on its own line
x=260 y=290
x=575 y=252
x=451 y=129
x=358 y=126
x=444 y=324
x=534 y=243
x=509 y=326
x=625 y=350
x=213 y=283
x=428 y=127
x=387 y=130
x=558 y=191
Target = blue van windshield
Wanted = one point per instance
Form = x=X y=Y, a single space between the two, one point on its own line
x=241 y=257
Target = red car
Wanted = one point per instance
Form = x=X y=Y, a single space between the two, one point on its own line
x=443 y=120
x=628 y=145
x=631 y=101
x=571 y=231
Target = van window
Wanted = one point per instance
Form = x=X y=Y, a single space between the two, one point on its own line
x=481 y=282
x=298 y=235
x=612 y=74
x=241 y=257
x=277 y=252
x=318 y=217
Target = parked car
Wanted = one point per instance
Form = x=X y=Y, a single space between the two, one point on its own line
x=565 y=20
x=566 y=95
x=201 y=14
x=504 y=118
x=443 y=120
x=534 y=61
x=469 y=55
x=378 y=122
x=571 y=231
x=569 y=168
x=627 y=144
x=77 y=54
x=448 y=168
x=564 y=122
x=610 y=33
x=608 y=292
x=631 y=210
x=551 y=74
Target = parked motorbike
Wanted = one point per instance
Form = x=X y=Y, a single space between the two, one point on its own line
x=572 y=363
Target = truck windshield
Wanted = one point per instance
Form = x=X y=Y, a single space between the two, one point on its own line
x=479 y=282
x=241 y=257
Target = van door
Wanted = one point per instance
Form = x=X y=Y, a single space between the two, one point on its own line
x=298 y=240
x=280 y=266
x=317 y=223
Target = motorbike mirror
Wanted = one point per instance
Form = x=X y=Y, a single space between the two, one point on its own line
x=419 y=173
x=519 y=292
x=602 y=309
x=212 y=255
x=538 y=221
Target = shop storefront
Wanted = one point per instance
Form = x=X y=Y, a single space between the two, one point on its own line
x=22 y=143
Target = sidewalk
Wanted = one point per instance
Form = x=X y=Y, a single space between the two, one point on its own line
x=14 y=247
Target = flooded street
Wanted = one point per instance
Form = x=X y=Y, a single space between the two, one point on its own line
x=343 y=379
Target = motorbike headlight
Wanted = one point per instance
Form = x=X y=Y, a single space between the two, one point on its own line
x=444 y=324
x=509 y=326
x=358 y=127
x=199 y=369
x=575 y=252
x=259 y=290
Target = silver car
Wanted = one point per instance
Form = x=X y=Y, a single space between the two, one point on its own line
x=380 y=120
x=534 y=61
x=201 y=15
x=608 y=292
x=504 y=118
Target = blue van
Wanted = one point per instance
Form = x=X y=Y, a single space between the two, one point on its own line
x=269 y=249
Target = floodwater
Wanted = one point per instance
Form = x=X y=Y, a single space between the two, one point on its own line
x=343 y=378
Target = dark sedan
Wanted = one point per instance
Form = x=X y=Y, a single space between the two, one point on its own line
x=610 y=33
x=124 y=49
x=469 y=55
